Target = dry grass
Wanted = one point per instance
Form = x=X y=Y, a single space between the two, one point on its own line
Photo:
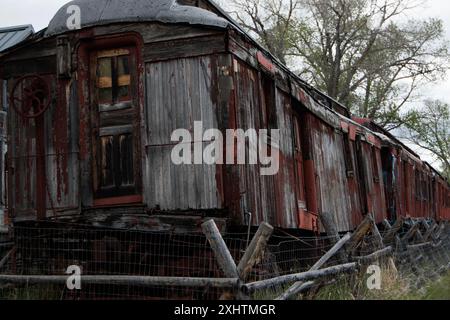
x=394 y=287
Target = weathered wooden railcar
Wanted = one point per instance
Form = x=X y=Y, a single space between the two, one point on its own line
x=363 y=166
x=413 y=188
x=441 y=198
x=9 y=37
x=93 y=111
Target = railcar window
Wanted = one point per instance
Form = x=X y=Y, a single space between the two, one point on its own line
x=349 y=167
x=417 y=183
x=117 y=161
x=423 y=186
x=269 y=95
x=104 y=79
x=113 y=77
x=375 y=171
x=406 y=180
x=123 y=77
x=107 y=161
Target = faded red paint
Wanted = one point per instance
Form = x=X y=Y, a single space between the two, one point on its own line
x=136 y=199
x=352 y=132
x=265 y=62
x=293 y=198
x=61 y=139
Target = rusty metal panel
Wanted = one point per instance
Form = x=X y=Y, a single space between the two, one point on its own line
x=3 y=149
x=22 y=158
x=354 y=188
x=285 y=180
x=247 y=116
x=60 y=172
x=268 y=198
x=61 y=160
x=333 y=195
x=374 y=192
x=376 y=183
x=179 y=92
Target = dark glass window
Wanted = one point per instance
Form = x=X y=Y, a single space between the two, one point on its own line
x=113 y=79
x=375 y=170
x=349 y=167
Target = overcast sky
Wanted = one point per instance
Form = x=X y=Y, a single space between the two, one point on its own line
x=39 y=12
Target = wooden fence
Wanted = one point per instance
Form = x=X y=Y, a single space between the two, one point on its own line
x=349 y=253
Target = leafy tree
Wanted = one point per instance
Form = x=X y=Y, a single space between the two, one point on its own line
x=429 y=128
x=364 y=53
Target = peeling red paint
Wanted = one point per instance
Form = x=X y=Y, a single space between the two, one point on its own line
x=314 y=177
x=265 y=62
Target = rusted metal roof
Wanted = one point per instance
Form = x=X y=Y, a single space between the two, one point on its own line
x=100 y=12
x=11 y=36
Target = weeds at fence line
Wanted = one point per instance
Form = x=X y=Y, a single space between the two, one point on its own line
x=151 y=265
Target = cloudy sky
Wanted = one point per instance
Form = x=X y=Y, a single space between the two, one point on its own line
x=39 y=12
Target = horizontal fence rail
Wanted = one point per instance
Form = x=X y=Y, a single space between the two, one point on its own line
x=119 y=264
x=126 y=280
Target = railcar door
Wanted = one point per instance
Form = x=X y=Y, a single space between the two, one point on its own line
x=390 y=182
x=307 y=219
x=362 y=175
x=115 y=126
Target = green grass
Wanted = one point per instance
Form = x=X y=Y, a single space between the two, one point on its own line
x=439 y=290
x=393 y=288
x=354 y=287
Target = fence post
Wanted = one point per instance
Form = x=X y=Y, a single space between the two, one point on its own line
x=411 y=232
x=441 y=229
x=360 y=232
x=251 y=257
x=386 y=224
x=430 y=231
x=330 y=228
x=255 y=250
x=223 y=256
x=377 y=235
x=391 y=261
x=389 y=237
x=5 y=259
x=297 y=287
x=220 y=249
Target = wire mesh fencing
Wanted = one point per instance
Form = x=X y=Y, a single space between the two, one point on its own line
x=51 y=249
x=121 y=263
x=392 y=264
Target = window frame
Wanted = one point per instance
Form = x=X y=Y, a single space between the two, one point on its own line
x=375 y=166
x=104 y=116
x=348 y=156
x=116 y=102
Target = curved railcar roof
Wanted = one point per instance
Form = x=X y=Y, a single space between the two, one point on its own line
x=100 y=12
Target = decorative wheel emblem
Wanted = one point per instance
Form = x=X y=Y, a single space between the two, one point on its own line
x=30 y=96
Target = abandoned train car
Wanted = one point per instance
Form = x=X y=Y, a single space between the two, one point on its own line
x=92 y=111
x=413 y=188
